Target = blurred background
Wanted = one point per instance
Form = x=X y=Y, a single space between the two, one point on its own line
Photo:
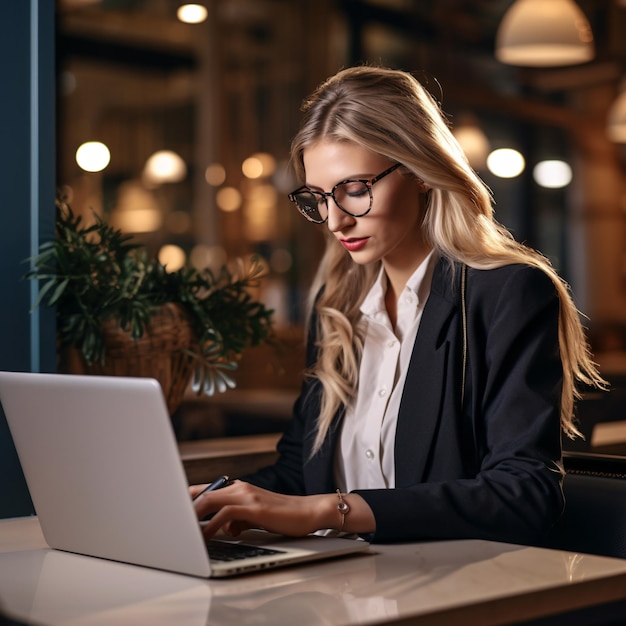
x=175 y=124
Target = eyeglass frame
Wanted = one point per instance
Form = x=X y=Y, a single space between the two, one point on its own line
x=368 y=182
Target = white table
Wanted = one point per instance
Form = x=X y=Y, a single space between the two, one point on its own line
x=457 y=582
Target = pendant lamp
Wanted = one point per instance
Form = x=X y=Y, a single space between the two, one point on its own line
x=472 y=140
x=544 y=33
x=616 y=120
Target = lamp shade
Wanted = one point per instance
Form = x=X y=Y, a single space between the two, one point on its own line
x=472 y=140
x=544 y=33
x=616 y=120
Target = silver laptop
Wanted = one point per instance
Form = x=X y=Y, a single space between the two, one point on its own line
x=104 y=472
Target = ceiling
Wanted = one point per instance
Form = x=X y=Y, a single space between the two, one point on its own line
x=450 y=41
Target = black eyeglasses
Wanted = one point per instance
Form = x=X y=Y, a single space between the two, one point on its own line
x=352 y=196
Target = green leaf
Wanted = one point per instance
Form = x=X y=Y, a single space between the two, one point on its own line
x=95 y=272
x=47 y=286
x=58 y=292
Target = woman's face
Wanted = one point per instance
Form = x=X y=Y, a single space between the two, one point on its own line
x=391 y=232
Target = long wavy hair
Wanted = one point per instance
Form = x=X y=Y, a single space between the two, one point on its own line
x=390 y=113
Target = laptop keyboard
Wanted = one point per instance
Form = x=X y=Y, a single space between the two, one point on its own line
x=227 y=551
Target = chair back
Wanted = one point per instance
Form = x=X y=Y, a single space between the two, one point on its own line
x=594 y=520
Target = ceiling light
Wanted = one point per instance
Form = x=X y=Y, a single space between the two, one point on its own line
x=552 y=174
x=472 y=140
x=192 y=13
x=93 y=156
x=136 y=210
x=506 y=163
x=544 y=33
x=165 y=166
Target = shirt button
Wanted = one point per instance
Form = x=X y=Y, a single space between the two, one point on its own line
x=369 y=454
x=382 y=392
x=391 y=343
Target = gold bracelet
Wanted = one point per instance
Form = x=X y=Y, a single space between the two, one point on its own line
x=343 y=509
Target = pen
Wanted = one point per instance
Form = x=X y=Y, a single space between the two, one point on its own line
x=222 y=481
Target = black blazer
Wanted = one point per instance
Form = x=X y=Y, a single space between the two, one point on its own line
x=475 y=460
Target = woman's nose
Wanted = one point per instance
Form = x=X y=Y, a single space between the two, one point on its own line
x=338 y=219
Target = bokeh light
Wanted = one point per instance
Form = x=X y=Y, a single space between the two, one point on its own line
x=228 y=199
x=212 y=257
x=192 y=13
x=281 y=260
x=259 y=165
x=165 y=166
x=215 y=174
x=173 y=257
x=506 y=163
x=93 y=156
x=552 y=174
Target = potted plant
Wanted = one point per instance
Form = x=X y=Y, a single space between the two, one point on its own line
x=120 y=312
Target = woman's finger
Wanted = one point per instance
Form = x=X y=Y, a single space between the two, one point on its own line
x=229 y=519
x=194 y=490
x=235 y=528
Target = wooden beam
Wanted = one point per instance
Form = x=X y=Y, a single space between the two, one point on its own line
x=516 y=106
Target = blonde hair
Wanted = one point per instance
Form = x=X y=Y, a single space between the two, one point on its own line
x=389 y=112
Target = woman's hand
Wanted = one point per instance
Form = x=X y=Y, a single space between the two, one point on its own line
x=241 y=506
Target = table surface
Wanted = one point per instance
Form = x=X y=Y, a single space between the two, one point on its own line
x=464 y=582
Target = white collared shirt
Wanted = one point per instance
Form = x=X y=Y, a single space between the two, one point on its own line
x=365 y=451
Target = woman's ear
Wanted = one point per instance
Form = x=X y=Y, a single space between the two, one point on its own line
x=422 y=186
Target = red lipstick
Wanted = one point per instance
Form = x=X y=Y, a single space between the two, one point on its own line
x=352 y=245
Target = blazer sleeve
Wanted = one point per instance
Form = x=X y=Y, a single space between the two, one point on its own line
x=286 y=475
x=514 y=494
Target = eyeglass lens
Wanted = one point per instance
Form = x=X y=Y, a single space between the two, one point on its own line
x=353 y=197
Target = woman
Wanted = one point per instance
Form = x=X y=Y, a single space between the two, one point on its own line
x=443 y=356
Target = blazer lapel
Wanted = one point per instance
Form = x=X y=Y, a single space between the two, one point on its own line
x=422 y=399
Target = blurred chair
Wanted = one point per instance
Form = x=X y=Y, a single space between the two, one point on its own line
x=595 y=512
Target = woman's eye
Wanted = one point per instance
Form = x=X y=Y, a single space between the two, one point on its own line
x=353 y=189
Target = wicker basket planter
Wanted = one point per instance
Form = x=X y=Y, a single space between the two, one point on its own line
x=163 y=352
x=121 y=312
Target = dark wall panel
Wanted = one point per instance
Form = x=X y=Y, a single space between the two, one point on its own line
x=27 y=123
